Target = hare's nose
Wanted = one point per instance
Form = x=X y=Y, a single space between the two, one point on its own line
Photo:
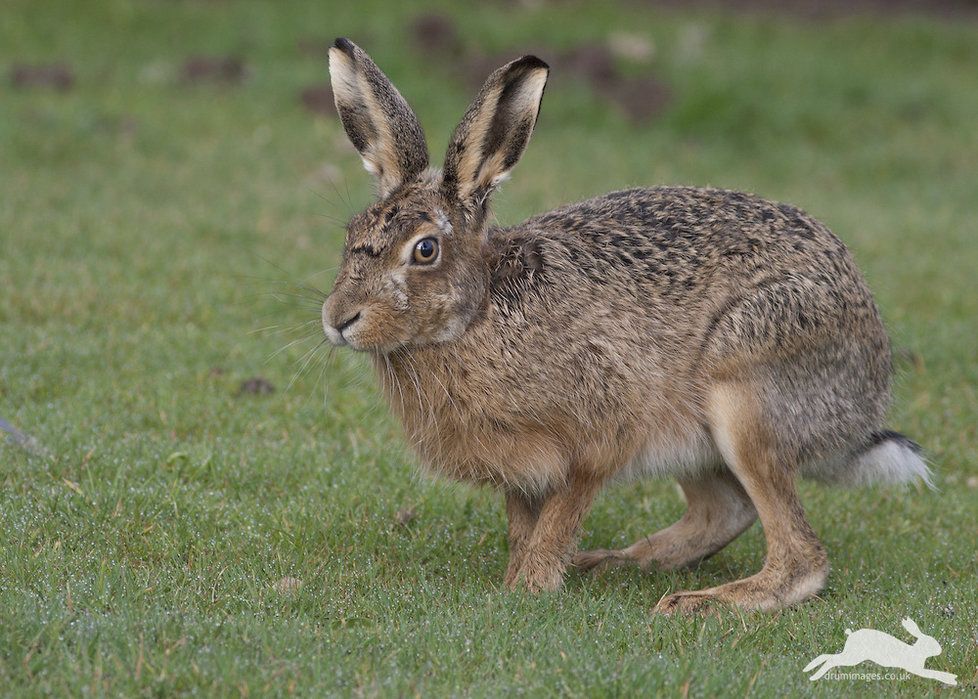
x=344 y=324
x=336 y=321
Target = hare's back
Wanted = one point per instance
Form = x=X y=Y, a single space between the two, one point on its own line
x=704 y=253
x=680 y=232
x=725 y=273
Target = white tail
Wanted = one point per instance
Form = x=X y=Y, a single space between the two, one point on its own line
x=895 y=459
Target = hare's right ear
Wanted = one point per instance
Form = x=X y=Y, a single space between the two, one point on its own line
x=494 y=131
x=379 y=122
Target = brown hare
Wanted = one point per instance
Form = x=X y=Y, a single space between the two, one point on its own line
x=708 y=335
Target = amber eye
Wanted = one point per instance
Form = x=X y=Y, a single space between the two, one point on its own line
x=426 y=251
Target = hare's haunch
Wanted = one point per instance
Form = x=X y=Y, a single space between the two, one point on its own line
x=708 y=335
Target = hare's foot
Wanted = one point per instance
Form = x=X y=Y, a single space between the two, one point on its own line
x=718 y=511
x=767 y=591
x=547 y=550
x=540 y=574
x=796 y=565
x=600 y=559
x=512 y=571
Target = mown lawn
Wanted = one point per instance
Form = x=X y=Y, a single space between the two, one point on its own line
x=167 y=533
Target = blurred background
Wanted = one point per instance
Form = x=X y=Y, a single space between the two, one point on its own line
x=168 y=166
x=174 y=184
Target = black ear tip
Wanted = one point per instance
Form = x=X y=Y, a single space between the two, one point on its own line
x=344 y=45
x=532 y=62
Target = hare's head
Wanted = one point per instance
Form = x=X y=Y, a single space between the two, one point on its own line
x=414 y=267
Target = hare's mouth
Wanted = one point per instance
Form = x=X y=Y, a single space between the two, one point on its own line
x=354 y=332
x=340 y=331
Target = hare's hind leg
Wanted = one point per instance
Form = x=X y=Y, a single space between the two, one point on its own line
x=796 y=566
x=718 y=511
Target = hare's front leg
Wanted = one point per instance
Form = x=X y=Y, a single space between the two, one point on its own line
x=550 y=545
x=522 y=511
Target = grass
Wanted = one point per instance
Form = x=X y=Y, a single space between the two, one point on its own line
x=146 y=225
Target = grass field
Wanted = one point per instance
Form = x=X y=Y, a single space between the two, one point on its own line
x=168 y=534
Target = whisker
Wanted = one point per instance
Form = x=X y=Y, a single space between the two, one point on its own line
x=324 y=365
x=279 y=351
x=325 y=271
x=307 y=357
x=322 y=374
x=282 y=329
x=301 y=294
x=349 y=197
x=335 y=220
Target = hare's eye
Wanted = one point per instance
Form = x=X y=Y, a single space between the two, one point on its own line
x=426 y=251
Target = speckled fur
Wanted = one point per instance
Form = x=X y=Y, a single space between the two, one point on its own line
x=705 y=334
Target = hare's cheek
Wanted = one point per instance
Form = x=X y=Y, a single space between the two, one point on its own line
x=446 y=320
x=379 y=327
x=451 y=330
x=395 y=291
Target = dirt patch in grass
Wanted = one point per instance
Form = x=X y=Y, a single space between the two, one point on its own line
x=813 y=9
x=825 y=9
x=641 y=96
x=318 y=99
x=313 y=46
x=256 y=386
x=436 y=35
x=217 y=70
x=55 y=76
x=639 y=93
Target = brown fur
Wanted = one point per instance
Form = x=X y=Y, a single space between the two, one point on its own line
x=718 y=511
x=796 y=565
x=709 y=335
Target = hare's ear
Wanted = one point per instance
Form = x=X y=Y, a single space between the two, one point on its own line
x=911 y=627
x=379 y=122
x=495 y=130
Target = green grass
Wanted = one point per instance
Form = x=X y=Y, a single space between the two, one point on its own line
x=144 y=226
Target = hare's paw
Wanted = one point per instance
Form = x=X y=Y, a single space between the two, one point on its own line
x=543 y=580
x=538 y=574
x=597 y=560
x=702 y=603
x=512 y=572
x=766 y=591
x=744 y=594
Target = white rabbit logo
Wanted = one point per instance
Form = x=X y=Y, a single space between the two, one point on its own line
x=887 y=651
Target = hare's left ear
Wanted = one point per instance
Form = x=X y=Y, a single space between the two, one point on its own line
x=379 y=122
x=494 y=131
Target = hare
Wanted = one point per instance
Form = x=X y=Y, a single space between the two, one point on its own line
x=708 y=335
x=886 y=651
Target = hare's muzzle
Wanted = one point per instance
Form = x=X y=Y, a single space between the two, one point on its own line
x=338 y=320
